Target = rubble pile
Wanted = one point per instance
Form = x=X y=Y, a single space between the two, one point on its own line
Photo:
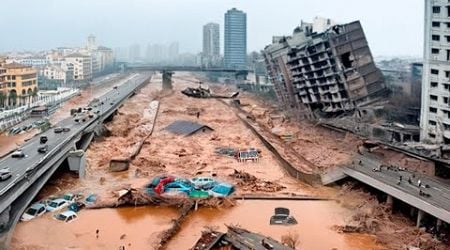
x=248 y=182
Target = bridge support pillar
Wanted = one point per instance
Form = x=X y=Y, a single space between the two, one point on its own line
x=438 y=224
x=420 y=215
x=77 y=162
x=390 y=202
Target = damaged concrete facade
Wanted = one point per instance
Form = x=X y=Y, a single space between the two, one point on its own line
x=329 y=72
x=435 y=106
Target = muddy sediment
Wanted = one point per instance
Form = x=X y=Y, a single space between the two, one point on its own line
x=186 y=156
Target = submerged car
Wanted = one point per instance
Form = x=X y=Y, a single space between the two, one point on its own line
x=5 y=174
x=221 y=190
x=76 y=206
x=67 y=216
x=282 y=217
x=34 y=211
x=204 y=183
x=58 y=130
x=72 y=197
x=90 y=199
x=56 y=205
x=178 y=186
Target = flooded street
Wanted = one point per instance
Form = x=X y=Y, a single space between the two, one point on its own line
x=135 y=228
x=187 y=156
x=315 y=219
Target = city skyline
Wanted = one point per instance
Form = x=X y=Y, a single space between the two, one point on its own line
x=101 y=20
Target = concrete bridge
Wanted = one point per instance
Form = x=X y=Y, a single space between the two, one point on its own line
x=32 y=172
x=366 y=169
x=149 y=67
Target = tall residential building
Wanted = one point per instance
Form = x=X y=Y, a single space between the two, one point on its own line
x=211 y=44
x=235 y=39
x=435 y=106
x=91 y=43
x=324 y=73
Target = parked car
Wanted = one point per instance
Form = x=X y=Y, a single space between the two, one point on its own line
x=43 y=149
x=58 y=130
x=34 y=211
x=67 y=216
x=56 y=205
x=18 y=154
x=178 y=186
x=5 y=174
x=282 y=217
x=76 y=206
x=43 y=139
x=221 y=190
x=66 y=129
x=205 y=183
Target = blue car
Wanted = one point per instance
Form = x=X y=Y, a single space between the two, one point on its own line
x=221 y=190
x=178 y=186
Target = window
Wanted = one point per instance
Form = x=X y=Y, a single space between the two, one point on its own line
x=434 y=72
x=448 y=11
x=433 y=84
x=447 y=74
x=445 y=100
x=433 y=97
x=431 y=135
x=436 y=9
x=433 y=110
x=436 y=24
x=432 y=123
x=435 y=37
x=448 y=55
x=434 y=51
x=446 y=86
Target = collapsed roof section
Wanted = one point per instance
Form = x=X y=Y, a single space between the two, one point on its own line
x=331 y=72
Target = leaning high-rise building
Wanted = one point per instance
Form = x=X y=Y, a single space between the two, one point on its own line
x=435 y=107
x=235 y=39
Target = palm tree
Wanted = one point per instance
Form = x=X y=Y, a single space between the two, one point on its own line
x=12 y=97
x=2 y=99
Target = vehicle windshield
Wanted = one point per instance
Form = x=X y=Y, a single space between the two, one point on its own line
x=31 y=211
x=61 y=217
x=53 y=204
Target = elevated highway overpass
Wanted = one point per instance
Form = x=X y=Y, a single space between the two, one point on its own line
x=31 y=172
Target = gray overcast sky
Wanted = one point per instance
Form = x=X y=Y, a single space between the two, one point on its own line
x=392 y=27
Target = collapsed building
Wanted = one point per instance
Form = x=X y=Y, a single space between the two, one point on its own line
x=318 y=74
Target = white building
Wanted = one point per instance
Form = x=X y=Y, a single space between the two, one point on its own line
x=435 y=106
x=82 y=66
x=321 y=24
x=63 y=72
x=211 y=44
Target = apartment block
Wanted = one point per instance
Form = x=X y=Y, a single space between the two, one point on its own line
x=330 y=72
x=435 y=106
x=82 y=66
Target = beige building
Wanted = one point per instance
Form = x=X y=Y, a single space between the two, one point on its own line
x=18 y=83
x=82 y=66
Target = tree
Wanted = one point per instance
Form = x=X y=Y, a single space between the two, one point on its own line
x=2 y=99
x=12 y=97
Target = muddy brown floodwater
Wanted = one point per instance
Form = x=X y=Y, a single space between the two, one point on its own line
x=183 y=156
x=315 y=219
x=134 y=228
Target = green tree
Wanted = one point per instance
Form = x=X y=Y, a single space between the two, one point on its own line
x=2 y=99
